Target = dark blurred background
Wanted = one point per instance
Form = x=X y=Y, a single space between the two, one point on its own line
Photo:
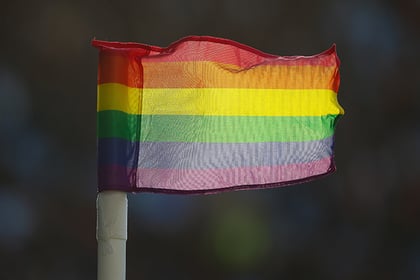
x=363 y=222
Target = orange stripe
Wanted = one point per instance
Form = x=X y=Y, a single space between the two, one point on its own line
x=204 y=74
x=123 y=69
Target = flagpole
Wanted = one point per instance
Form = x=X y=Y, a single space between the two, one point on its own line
x=111 y=234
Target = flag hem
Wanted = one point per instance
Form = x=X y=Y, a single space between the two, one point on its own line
x=133 y=189
x=132 y=46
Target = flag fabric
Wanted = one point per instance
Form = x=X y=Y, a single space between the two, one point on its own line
x=207 y=114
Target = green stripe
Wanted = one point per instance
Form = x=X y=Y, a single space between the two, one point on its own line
x=216 y=129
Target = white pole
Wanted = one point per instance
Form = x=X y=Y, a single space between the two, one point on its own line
x=111 y=234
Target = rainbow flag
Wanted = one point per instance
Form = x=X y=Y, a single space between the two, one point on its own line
x=207 y=114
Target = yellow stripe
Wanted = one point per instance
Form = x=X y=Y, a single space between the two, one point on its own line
x=113 y=96
x=218 y=101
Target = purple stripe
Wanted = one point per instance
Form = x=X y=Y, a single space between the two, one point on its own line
x=177 y=155
x=209 y=180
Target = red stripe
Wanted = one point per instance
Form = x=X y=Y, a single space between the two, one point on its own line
x=122 y=62
x=120 y=67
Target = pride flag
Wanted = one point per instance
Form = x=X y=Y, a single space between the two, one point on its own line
x=207 y=114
